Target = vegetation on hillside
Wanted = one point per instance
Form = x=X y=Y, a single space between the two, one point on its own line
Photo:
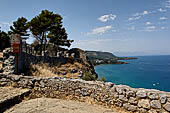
x=100 y=55
x=4 y=40
x=97 y=57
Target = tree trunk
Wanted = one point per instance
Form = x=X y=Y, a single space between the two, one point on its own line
x=42 y=44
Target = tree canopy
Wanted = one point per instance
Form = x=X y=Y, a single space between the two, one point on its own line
x=46 y=28
x=41 y=25
x=4 y=40
x=58 y=36
x=19 y=27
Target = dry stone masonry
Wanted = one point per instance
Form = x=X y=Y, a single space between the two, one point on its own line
x=137 y=100
x=108 y=94
x=26 y=58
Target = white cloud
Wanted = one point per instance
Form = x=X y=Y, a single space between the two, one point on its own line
x=132 y=28
x=164 y=28
x=163 y=22
x=141 y=14
x=114 y=30
x=163 y=18
x=148 y=23
x=167 y=4
x=106 y=18
x=100 y=30
x=131 y=23
x=145 y=13
x=168 y=1
x=5 y=24
x=99 y=43
x=134 y=18
x=150 y=28
x=137 y=16
x=162 y=10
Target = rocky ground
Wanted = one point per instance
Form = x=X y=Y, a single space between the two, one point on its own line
x=10 y=96
x=48 y=105
x=7 y=93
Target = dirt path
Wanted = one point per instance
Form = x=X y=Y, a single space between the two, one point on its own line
x=10 y=96
x=48 y=105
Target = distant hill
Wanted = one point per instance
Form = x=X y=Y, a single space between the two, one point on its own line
x=100 y=55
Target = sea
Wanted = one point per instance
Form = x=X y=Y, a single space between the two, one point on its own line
x=151 y=72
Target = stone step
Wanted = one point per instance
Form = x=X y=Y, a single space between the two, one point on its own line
x=10 y=96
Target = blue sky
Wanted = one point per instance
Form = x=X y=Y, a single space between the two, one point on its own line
x=123 y=27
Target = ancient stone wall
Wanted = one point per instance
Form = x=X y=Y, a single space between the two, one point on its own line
x=27 y=56
x=24 y=59
x=108 y=94
x=8 y=65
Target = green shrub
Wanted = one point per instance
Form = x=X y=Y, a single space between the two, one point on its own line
x=102 y=79
x=88 y=76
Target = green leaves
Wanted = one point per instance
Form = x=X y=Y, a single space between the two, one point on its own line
x=58 y=36
x=4 y=40
x=43 y=22
x=20 y=26
x=49 y=24
x=45 y=25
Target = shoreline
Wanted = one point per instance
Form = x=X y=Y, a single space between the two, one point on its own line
x=146 y=72
x=117 y=62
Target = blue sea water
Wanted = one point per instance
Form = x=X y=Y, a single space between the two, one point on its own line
x=152 y=72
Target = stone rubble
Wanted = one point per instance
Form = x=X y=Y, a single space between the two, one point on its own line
x=107 y=94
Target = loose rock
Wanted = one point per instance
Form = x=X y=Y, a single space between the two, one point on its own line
x=144 y=104
x=167 y=107
x=155 y=104
x=141 y=94
x=153 y=95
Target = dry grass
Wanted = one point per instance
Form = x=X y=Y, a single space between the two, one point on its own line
x=40 y=70
x=63 y=70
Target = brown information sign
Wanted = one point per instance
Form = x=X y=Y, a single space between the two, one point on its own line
x=16 y=47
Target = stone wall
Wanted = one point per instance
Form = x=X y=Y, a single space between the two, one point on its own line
x=25 y=58
x=8 y=65
x=107 y=94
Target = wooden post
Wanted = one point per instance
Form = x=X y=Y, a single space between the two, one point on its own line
x=17 y=63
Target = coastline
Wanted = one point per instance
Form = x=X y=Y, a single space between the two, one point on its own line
x=147 y=72
x=111 y=61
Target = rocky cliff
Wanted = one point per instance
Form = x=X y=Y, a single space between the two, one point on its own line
x=98 y=57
